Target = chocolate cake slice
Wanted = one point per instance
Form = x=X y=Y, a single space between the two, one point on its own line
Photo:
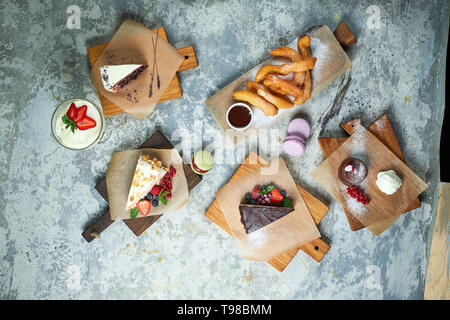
x=254 y=217
x=115 y=77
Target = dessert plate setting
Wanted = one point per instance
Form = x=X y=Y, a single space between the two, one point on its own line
x=275 y=88
x=368 y=179
x=269 y=216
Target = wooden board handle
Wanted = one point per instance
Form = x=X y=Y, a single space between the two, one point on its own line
x=317 y=249
x=93 y=230
x=190 y=59
x=344 y=35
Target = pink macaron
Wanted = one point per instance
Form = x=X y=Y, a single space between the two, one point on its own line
x=299 y=127
x=298 y=131
x=294 y=146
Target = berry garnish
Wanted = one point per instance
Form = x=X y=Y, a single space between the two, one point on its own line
x=156 y=190
x=149 y=196
x=255 y=194
x=155 y=202
x=86 y=123
x=143 y=207
x=81 y=113
x=276 y=196
x=356 y=193
x=72 y=112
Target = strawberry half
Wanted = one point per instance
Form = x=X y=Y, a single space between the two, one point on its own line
x=72 y=112
x=86 y=123
x=276 y=196
x=81 y=113
x=144 y=207
x=255 y=195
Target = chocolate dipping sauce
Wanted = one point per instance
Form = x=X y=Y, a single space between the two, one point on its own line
x=239 y=116
x=352 y=171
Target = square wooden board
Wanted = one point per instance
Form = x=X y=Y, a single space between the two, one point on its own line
x=315 y=249
x=173 y=90
x=364 y=145
x=383 y=130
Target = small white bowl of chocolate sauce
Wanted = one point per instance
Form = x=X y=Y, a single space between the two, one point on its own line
x=239 y=116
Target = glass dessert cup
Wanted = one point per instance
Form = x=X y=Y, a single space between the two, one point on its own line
x=352 y=171
x=90 y=138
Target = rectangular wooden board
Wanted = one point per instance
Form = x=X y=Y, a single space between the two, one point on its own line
x=139 y=225
x=436 y=284
x=315 y=249
x=383 y=130
x=377 y=157
x=173 y=91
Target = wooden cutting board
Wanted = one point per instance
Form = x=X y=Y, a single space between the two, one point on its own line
x=138 y=225
x=315 y=249
x=173 y=91
x=383 y=130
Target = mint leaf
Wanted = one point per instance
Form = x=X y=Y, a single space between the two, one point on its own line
x=245 y=201
x=134 y=213
x=163 y=200
x=266 y=190
x=69 y=123
x=287 y=203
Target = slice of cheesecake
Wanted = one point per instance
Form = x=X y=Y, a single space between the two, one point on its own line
x=254 y=217
x=115 y=77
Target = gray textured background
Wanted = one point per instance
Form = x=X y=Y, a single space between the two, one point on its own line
x=47 y=193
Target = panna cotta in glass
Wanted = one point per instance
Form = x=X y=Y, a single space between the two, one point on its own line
x=78 y=124
x=352 y=171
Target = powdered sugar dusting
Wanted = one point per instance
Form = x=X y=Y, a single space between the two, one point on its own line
x=355 y=207
x=358 y=146
x=257 y=239
x=321 y=51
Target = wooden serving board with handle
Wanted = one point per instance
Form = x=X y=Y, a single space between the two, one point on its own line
x=138 y=225
x=173 y=91
x=315 y=249
x=383 y=130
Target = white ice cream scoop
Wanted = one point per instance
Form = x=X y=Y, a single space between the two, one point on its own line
x=388 y=181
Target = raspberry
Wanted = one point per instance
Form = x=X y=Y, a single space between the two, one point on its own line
x=156 y=190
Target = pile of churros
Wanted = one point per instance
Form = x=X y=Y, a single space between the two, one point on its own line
x=269 y=91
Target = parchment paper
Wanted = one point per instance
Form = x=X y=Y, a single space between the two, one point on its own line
x=288 y=232
x=365 y=146
x=331 y=62
x=120 y=174
x=132 y=44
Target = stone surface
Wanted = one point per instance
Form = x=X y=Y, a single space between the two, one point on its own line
x=47 y=193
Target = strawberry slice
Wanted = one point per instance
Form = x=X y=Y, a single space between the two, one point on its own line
x=81 y=113
x=276 y=196
x=255 y=195
x=86 y=123
x=144 y=207
x=72 y=112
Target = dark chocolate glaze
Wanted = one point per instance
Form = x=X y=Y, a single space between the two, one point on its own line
x=254 y=217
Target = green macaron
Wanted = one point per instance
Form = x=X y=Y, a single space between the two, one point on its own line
x=202 y=162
